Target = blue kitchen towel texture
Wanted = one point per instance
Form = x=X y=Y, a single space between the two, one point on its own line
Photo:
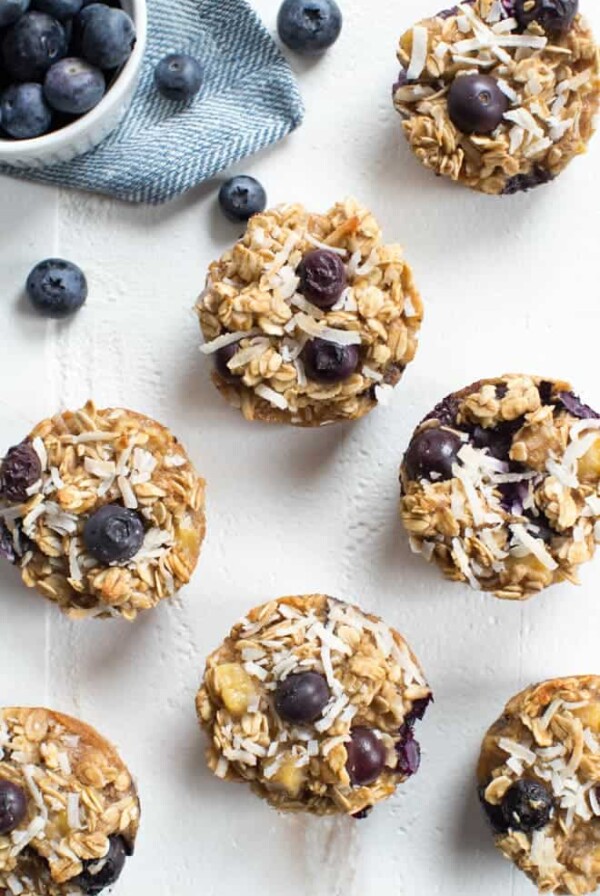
x=250 y=99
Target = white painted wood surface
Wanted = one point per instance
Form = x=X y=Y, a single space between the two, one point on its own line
x=509 y=284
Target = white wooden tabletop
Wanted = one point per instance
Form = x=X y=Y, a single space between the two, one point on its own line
x=509 y=284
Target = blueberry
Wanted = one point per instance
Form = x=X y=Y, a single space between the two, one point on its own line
x=20 y=469
x=366 y=757
x=522 y=183
x=418 y=710
x=476 y=104
x=222 y=358
x=573 y=404
x=13 y=806
x=113 y=534
x=11 y=10
x=328 y=362
x=446 y=411
x=24 y=112
x=34 y=43
x=178 y=77
x=107 y=35
x=57 y=287
x=554 y=16
x=74 y=86
x=322 y=277
x=241 y=197
x=60 y=9
x=452 y=11
x=513 y=496
x=101 y=873
x=400 y=81
x=540 y=527
x=409 y=754
x=432 y=451
x=7 y=546
x=495 y=815
x=301 y=698
x=364 y=813
x=527 y=806
x=498 y=439
x=309 y=26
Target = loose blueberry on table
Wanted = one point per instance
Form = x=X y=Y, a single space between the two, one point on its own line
x=241 y=197
x=57 y=57
x=57 y=288
x=309 y=26
x=178 y=77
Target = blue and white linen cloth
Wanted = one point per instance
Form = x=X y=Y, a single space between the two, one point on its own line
x=249 y=100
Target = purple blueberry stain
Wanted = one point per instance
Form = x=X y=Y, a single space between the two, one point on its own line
x=573 y=404
x=522 y=183
x=408 y=751
x=7 y=548
x=20 y=469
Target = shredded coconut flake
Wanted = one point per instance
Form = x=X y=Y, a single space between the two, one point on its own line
x=533 y=546
x=226 y=339
x=273 y=397
x=418 y=57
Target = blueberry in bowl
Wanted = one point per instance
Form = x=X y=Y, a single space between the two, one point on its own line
x=68 y=71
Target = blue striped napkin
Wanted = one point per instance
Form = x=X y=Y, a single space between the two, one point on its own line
x=250 y=99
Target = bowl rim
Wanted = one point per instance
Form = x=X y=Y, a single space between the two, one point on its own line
x=113 y=97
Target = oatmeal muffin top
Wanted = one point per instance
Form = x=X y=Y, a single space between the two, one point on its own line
x=310 y=318
x=103 y=512
x=499 y=95
x=501 y=485
x=69 y=811
x=314 y=703
x=538 y=774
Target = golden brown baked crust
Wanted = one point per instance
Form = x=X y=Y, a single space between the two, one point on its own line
x=252 y=297
x=552 y=83
x=374 y=681
x=80 y=794
x=521 y=507
x=549 y=734
x=90 y=458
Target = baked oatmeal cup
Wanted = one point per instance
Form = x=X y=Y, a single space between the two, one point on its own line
x=102 y=511
x=538 y=775
x=499 y=95
x=501 y=485
x=69 y=810
x=313 y=703
x=310 y=319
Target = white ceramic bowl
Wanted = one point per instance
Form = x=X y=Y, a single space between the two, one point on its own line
x=91 y=129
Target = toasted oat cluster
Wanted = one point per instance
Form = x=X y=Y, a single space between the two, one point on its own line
x=103 y=512
x=501 y=485
x=499 y=95
x=69 y=811
x=313 y=703
x=538 y=775
x=311 y=319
